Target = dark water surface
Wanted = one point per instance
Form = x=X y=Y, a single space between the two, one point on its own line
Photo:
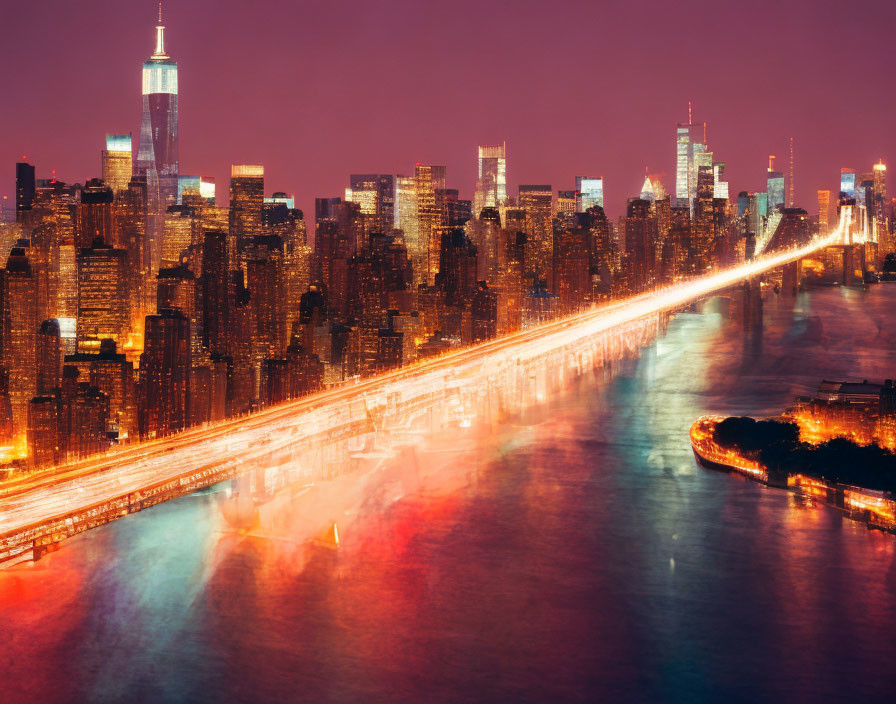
x=579 y=555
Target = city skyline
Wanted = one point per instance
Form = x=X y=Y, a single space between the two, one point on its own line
x=393 y=146
x=406 y=352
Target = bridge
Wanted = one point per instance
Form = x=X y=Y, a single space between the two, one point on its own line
x=329 y=433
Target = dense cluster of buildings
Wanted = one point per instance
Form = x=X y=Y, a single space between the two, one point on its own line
x=137 y=305
x=864 y=412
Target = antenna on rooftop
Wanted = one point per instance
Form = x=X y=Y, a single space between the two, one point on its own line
x=790 y=186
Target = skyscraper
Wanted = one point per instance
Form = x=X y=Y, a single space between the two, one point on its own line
x=536 y=201
x=375 y=193
x=590 y=193
x=246 y=201
x=103 y=297
x=157 y=158
x=117 y=162
x=94 y=216
x=165 y=374
x=49 y=352
x=566 y=203
x=20 y=333
x=824 y=210
x=430 y=221
x=775 y=191
x=640 y=237
x=848 y=182
x=25 y=187
x=491 y=183
x=690 y=141
x=880 y=206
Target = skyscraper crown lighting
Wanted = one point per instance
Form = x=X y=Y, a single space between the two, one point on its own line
x=247 y=170
x=118 y=142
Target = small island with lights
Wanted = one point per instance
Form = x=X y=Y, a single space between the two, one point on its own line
x=835 y=447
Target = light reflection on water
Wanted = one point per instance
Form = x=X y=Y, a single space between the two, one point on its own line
x=578 y=555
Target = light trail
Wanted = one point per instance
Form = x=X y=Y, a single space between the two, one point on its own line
x=40 y=499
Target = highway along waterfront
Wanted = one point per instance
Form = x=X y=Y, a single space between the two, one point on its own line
x=577 y=552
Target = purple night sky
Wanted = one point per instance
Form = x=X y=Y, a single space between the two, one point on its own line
x=318 y=89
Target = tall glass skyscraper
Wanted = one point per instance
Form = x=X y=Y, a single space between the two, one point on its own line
x=690 y=142
x=491 y=185
x=590 y=192
x=158 y=153
x=848 y=182
x=158 y=132
x=775 y=184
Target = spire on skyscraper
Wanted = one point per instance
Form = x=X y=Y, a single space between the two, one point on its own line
x=159 y=53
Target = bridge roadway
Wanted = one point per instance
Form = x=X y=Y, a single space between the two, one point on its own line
x=44 y=508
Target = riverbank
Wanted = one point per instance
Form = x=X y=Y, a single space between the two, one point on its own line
x=877 y=509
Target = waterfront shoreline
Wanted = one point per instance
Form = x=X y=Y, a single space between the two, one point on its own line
x=877 y=509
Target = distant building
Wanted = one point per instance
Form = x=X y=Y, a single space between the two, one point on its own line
x=824 y=211
x=246 y=201
x=25 y=189
x=103 y=296
x=19 y=290
x=491 y=182
x=848 y=183
x=536 y=201
x=50 y=354
x=847 y=409
x=590 y=193
x=68 y=423
x=117 y=162
x=158 y=154
x=95 y=215
x=775 y=191
x=165 y=374
x=690 y=141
